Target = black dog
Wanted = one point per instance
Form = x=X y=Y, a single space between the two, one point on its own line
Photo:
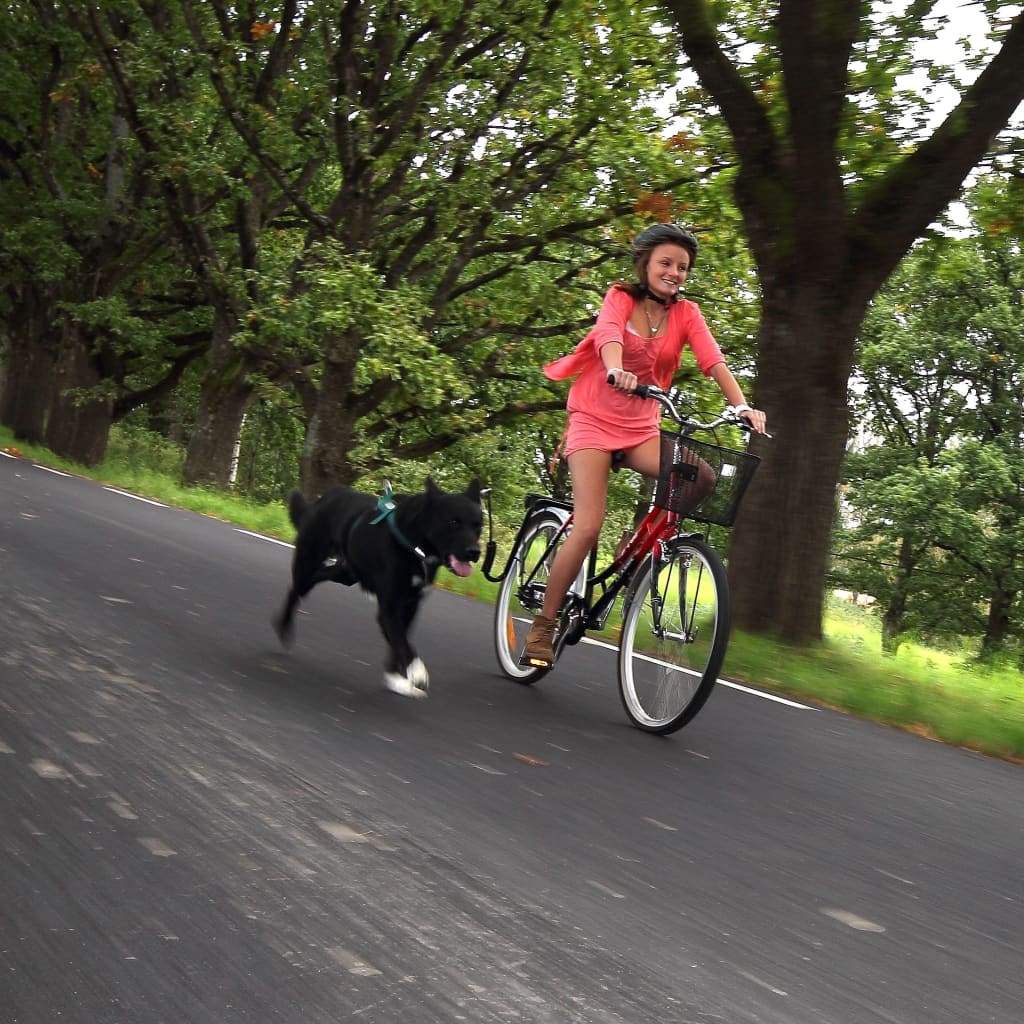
x=392 y=547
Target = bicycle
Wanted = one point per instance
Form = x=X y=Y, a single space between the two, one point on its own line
x=676 y=610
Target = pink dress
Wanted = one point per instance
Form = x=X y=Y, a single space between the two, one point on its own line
x=602 y=417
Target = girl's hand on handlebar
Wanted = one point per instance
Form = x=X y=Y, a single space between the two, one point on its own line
x=755 y=417
x=622 y=380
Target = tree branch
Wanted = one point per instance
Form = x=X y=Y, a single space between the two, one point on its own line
x=914 y=191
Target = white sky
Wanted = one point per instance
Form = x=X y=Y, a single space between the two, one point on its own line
x=966 y=19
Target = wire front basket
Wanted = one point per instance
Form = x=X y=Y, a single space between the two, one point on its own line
x=702 y=481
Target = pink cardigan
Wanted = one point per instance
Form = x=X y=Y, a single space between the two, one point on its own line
x=685 y=326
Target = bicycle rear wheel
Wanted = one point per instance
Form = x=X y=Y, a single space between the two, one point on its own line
x=521 y=594
x=675 y=629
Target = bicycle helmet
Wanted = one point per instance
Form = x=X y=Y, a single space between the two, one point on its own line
x=658 y=234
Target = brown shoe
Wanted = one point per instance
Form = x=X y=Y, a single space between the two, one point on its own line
x=539 y=651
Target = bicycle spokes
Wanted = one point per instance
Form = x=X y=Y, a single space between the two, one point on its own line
x=673 y=637
x=676 y=585
x=521 y=595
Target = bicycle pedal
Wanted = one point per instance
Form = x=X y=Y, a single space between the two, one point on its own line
x=525 y=662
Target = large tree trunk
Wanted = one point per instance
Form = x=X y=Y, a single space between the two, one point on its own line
x=79 y=420
x=211 y=449
x=330 y=435
x=997 y=627
x=31 y=359
x=224 y=397
x=26 y=390
x=896 y=608
x=781 y=545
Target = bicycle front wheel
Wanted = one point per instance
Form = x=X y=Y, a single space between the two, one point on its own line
x=521 y=594
x=675 y=629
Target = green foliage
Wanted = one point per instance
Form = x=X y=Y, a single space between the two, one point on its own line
x=90 y=276
x=935 y=490
x=464 y=191
x=137 y=453
x=269 y=451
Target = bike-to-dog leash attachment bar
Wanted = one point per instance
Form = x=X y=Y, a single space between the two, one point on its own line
x=491 y=547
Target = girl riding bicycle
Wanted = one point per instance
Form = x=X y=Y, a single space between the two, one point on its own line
x=638 y=338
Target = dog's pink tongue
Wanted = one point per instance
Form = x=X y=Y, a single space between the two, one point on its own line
x=459 y=568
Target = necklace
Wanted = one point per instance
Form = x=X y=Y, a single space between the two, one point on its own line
x=655 y=327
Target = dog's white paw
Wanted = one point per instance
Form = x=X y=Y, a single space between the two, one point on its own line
x=414 y=683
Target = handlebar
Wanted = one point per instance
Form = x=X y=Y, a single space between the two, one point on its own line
x=728 y=415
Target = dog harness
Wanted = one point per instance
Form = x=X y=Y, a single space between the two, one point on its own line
x=386 y=514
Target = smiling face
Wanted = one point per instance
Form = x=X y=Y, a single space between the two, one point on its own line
x=666 y=270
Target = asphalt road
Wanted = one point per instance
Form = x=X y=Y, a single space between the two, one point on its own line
x=196 y=826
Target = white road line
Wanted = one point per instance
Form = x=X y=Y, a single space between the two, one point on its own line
x=768 y=696
x=721 y=682
x=851 y=920
x=352 y=963
x=127 y=494
x=46 y=469
x=263 y=536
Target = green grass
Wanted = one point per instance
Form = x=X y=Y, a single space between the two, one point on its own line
x=933 y=693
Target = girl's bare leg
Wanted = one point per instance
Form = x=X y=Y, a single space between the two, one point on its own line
x=589 y=468
x=645 y=458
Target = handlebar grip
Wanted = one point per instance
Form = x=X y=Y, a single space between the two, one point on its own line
x=640 y=391
x=748 y=428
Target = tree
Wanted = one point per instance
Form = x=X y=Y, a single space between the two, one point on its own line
x=938 y=495
x=833 y=191
x=211 y=192
x=84 y=252
x=909 y=402
x=993 y=467
x=407 y=184
x=470 y=157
